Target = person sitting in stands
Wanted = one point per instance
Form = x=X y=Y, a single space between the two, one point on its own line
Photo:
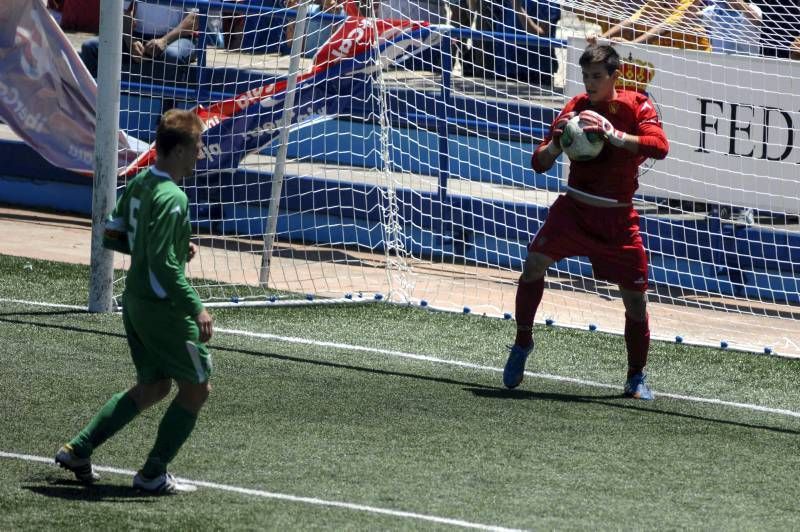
x=153 y=31
x=780 y=27
x=606 y=15
x=494 y=56
x=734 y=26
x=533 y=63
x=674 y=23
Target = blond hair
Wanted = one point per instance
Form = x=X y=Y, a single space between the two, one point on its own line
x=177 y=127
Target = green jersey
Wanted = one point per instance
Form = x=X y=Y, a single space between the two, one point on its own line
x=155 y=215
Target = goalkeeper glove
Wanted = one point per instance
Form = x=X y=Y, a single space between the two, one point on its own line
x=597 y=123
x=556 y=131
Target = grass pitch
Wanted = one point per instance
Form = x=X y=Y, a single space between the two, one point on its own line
x=328 y=422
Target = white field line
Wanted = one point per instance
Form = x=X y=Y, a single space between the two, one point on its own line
x=42 y=304
x=294 y=303
x=284 y=496
x=459 y=363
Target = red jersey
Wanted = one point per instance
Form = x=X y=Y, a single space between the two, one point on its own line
x=614 y=174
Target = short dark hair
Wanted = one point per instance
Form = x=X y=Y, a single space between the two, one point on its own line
x=600 y=53
x=177 y=127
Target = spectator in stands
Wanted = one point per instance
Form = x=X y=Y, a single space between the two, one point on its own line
x=333 y=7
x=478 y=60
x=288 y=33
x=492 y=57
x=794 y=53
x=150 y=31
x=781 y=26
x=460 y=18
x=531 y=63
x=674 y=23
x=733 y=26
x=609 y=14
x=320 y=28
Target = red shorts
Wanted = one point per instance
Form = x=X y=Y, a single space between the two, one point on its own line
x=609 y=236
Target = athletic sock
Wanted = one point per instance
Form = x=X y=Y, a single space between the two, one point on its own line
x=174 y=429
x=115 y=414
x=529 y=295
x=637 y=342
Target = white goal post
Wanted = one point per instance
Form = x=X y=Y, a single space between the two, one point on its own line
x=403 y=171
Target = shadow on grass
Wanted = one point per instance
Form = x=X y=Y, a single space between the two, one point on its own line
x=4 y=318
x=273 y=356
x=504 y=393
x=339 y=365
x=613 y=401
x=76 y=491
x=477 y=389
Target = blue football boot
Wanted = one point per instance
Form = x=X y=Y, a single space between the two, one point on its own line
x=636 y=387
x=515 y=365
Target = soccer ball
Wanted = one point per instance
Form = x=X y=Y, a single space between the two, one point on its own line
x=578 y=145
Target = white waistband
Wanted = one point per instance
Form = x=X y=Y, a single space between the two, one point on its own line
x=602 y=199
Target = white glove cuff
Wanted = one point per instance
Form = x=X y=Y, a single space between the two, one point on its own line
x=617 y=138
x=554 y=148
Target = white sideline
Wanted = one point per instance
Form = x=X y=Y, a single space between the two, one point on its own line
x=283 y=496
x=42 y=304
x=458 y=363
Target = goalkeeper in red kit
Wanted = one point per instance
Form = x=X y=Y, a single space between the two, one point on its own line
x=595 y=217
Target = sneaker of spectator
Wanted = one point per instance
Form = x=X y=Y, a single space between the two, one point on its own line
x=460 y=18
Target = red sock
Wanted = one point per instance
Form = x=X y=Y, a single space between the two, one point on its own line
x=637 y=340
x=529 y=295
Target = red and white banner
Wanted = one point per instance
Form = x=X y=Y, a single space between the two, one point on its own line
x=342 y=67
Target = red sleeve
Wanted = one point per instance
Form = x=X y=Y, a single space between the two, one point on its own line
x=538 y=168
x=534 y=159
x=652 y=139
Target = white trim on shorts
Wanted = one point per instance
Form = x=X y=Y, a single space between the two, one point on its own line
x=194 y=354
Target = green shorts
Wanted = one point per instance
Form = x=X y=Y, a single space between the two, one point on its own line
x=164 y=342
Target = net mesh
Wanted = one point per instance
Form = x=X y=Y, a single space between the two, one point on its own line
x=407 y=165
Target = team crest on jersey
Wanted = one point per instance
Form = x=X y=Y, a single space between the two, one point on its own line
x=613 y=107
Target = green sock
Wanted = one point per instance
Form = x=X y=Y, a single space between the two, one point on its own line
x=115 y=414
x=175 y=428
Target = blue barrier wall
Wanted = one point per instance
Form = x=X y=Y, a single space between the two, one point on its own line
x=417 y=151
x=704 y=255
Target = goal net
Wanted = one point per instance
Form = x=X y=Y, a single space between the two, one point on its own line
x=356 y=149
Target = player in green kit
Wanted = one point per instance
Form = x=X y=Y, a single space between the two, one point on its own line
x=165 y=322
